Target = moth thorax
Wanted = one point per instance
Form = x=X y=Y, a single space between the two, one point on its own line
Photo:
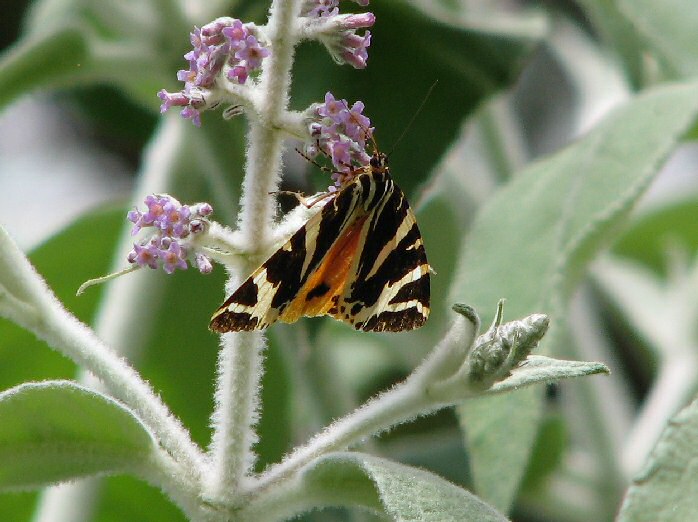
x=379 y=162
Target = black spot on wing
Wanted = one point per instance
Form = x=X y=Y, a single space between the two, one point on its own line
x=318 y=291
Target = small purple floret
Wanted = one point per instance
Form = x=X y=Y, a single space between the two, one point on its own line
x=355 y=49
x=323 y=9
x=203 y=264
x=251 y=53
x=236 y=33
x=334 y=109
x=358 y=21
x=338 y=31
x=144 y=255
x=174 y=257
x=340 y=152
x=202 y=209
x=357 y=125
x=190 y=113
x=172 y=99
x=238 y=74
x=327 y=8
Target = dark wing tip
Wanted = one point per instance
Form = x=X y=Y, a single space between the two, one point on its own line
x=403 y=321
x=233 y=322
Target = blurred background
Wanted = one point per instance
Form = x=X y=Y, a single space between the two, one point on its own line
x=517 y=82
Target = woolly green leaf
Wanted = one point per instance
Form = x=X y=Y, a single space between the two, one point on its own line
x=670 y=31
x=666 y=489
x=618 y=33
x=47 y=60
x=54 y=431
x=402 y=492
x=533 y=240
x=539 y=369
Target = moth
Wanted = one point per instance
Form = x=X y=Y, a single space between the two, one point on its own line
x=361 y=260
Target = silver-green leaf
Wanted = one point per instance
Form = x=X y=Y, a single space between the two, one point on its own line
x=669 y=32
x=540 y=369
x=402 y=492
x=55 y=431
x=666 y=490
x=533 y=240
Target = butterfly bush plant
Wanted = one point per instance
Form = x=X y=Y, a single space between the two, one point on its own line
x=112 y=421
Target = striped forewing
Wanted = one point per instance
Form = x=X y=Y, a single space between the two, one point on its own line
x=360 y=259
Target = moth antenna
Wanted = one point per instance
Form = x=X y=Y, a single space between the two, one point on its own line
x=414 y=117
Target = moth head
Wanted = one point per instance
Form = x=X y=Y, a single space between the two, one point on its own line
x=379 y=161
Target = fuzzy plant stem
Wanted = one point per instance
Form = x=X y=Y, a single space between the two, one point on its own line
x=117 y=314
x=241 y=355
x=402 y=403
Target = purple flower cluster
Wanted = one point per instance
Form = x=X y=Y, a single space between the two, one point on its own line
x=173 y=223
x=224 y=43
x=338 y=31
x=341 y=133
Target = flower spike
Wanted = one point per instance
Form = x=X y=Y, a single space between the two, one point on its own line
x=225 y=50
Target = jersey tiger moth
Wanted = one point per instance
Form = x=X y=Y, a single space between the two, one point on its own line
x=360 y=259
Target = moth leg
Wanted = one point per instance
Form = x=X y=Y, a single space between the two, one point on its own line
x=307 y=202
x=311 y=160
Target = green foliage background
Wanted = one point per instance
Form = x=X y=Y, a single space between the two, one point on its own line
x=517 y=190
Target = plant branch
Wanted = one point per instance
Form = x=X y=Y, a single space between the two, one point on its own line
x=117 y=314
x=400 y=404
x=240 y=359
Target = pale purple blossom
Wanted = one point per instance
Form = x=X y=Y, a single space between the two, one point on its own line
x=238 y=74
x=323 y=8
x=355 y=49
x=340 y=133
x=170 y=225
x=222 y=50
x=357 y=21
x=190 y=113
x=340 y=150
x=202 y=209
x=335 y=110
x=144 y=255
x=236 y=33
x=251 y=53
x=172 y=100
x=357 y=126
x=203 y=263
x=338 y=31
x=174 y=257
